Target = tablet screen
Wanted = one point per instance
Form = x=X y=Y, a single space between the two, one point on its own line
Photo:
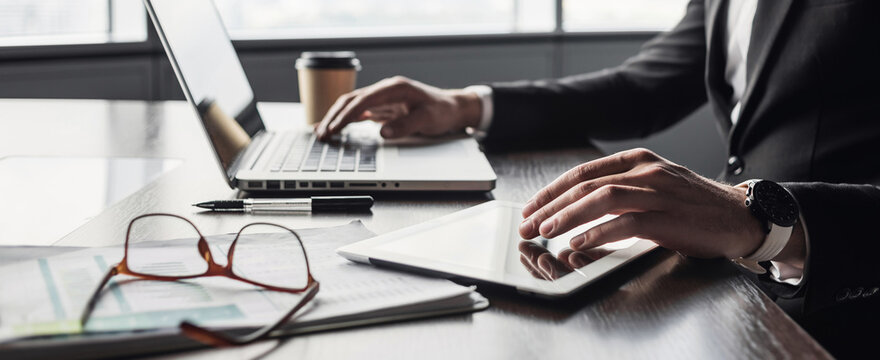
x=487 y=244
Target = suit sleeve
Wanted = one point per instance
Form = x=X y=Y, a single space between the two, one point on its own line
x=647 y=93
x=842 y=269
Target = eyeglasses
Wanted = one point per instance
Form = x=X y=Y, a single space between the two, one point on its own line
x=271 y=257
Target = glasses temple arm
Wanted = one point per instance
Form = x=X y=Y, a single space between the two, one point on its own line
x=220 y=340
x=93 y=300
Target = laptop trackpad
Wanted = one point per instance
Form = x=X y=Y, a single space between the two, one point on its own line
x=447 y=149
x=52 y=196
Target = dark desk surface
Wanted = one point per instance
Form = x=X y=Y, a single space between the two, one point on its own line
x=664 y=305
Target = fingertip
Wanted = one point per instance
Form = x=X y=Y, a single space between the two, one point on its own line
x=545 y=264
x=527 y=236
x=527 y=228
x=564 y=254
x=579 y=260
x=366 y=115
x=528 y=209
x=578 y=241
x=387 y=132
x=323 y=127
x=336 y=126
x=547 y=227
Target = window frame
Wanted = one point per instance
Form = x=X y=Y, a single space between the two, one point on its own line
x=152 y=45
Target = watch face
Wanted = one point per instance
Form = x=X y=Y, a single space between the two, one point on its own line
x=780 y=207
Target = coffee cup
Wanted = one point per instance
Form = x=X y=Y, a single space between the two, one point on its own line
x=323 y=77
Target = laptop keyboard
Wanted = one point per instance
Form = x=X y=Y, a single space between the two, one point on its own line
x=307 y=154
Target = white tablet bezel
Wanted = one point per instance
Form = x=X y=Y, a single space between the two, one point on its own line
x=368 y=251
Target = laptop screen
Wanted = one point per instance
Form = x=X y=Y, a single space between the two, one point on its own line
x=209 y=72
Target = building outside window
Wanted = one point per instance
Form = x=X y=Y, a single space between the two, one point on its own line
x=65 y=22
x=621 y=15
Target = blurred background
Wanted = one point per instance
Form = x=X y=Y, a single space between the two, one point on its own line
x=106 y=49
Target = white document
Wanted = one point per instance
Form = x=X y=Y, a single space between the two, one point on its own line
x=47 y=295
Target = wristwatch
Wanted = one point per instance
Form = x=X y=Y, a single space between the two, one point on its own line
x=777 y=209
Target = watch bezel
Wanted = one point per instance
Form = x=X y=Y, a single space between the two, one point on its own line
x=760 y=205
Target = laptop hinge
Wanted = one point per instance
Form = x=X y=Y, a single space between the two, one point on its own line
x=246 y=158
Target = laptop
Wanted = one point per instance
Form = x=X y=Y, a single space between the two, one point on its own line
x=255 y=159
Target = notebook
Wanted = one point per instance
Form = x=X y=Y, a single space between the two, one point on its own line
x=61 y=279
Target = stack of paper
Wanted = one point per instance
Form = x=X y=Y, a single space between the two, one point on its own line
x=42 y=297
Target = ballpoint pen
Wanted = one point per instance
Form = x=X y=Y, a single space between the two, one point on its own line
x=314 y=203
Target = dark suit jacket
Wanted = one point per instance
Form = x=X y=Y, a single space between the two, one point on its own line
x=809 y=119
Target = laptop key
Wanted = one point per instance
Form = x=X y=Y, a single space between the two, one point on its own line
x=297 y=153
x=349 y=158
x=293 y=161
x=308 y=154
x=367 y=159
x=347 y=166
x=310 y=165
x=330 y=158
x=277 y=160
x=313 y=159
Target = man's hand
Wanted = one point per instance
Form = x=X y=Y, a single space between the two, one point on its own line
x=655 y=199
x=540 y=262
x=405 y=107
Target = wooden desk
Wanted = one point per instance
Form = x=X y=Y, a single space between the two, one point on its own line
x=664 y=305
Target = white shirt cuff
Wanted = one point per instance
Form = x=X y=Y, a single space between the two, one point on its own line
x=485 y=94
x=788 y=274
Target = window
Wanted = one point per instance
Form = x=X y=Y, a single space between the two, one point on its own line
x=53 y=22
x=261 y=19
x=622 y=15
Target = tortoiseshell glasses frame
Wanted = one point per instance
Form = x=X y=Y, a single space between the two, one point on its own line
x=204 y=335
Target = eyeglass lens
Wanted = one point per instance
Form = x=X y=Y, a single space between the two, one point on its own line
x=270 y=255
x=179 y=255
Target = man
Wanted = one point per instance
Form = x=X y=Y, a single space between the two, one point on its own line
x=795 y=87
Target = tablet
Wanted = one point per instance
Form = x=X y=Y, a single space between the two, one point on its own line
x=482 y=243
